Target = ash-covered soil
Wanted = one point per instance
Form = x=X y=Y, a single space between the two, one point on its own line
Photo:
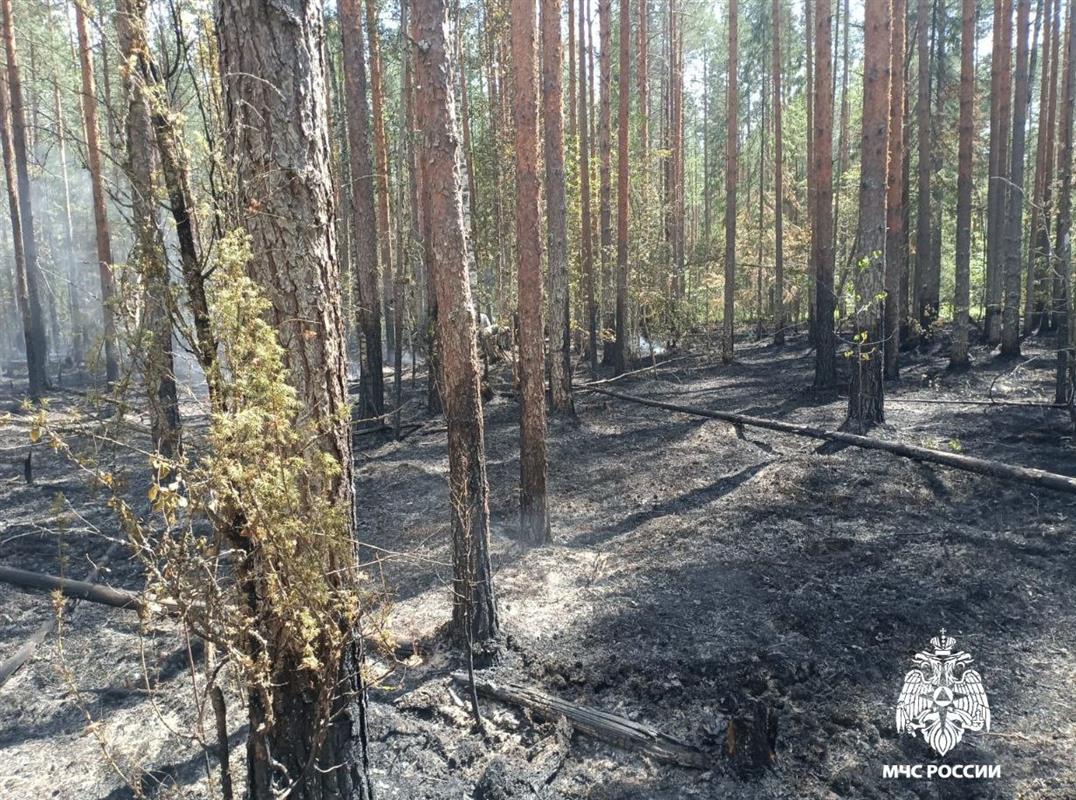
x=692 y=571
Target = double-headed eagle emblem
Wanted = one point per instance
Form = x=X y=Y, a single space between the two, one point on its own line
x=941 y=697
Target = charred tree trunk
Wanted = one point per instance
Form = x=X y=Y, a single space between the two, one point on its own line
x=103 y=238
x=865 y=404
x=896 y=256
x=309 y=735
x=534 y=513
x=958 y=354
x=825 y=367
x=364 y=220
x=474 y=611
x=728 y=335
x=556 y=204
x=34 y=327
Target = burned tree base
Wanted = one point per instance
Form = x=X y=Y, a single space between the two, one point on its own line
x=751 y=739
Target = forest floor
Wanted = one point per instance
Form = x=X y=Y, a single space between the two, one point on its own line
x=690 y=569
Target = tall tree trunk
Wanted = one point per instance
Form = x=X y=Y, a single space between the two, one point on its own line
x=368 y=290
x=560 y=342
x=1065 y=383
x=808 y=88
x=1014 y=232
x=153 y=353
x=1039 y=216
x=534 y=513
x=825 y=367
x=74 y=290
x=843 y=152
x=605 y=213
x=404 y=165
x=311 y=738
x=728 y=336
x=36 y=340
x=1065 y=320
x=896 y=255
x=21 y=285
x=1001 y=95
x=778 y=184
x=926 y=305
x=103 y=238
x=866 y=399
x=474 y=605
x=573 y=94
x=586 y=221
x=623 y=135
x=958 y=353
x=642 y=80
x=175 y=170
x=381 y=162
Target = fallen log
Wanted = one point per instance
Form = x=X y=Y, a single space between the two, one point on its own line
x=610 y=728
x=76 y=590
x=982 y=466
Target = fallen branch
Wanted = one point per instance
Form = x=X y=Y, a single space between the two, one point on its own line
x=611 y=728
x=10 y=665
x=76 y=590
x=981 y=466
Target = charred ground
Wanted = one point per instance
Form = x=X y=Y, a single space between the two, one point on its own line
x=691 y=570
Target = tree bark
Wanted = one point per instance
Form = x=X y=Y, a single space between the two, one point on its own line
x=1039 y=228
x=1065 y=383
x=74 y=290
x=153 y=351
x=896 y=255
x=102 y=236
x=560 y=342
x=381 y=161
x=364 y=220
x=778 y=185
x=866 y=398
x=473 y=597
x=958 y=353
x=926 y=303
x=728 y=336
x=622 y=349
x=825 y=367
x=605 y=213
x=1014 y=232
x=808 y=88
x=34 y=327
x=586 y=220
x=175 y=170
x=1001 y=97
x=534 y=513
x=273 y=72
